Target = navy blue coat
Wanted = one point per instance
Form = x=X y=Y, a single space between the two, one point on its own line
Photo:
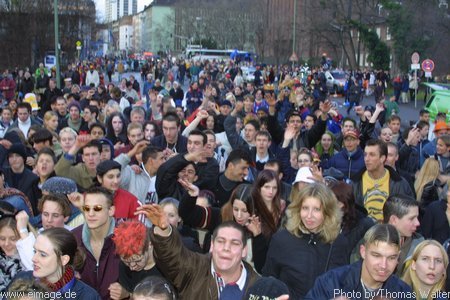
x=346 y=281
x=350 y=166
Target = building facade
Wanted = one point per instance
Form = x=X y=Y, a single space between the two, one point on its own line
x=158 y=25
x=115 y=9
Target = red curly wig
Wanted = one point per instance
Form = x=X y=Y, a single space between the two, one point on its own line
x=130 y=238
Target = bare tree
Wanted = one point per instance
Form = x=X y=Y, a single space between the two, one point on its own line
x=27 y=28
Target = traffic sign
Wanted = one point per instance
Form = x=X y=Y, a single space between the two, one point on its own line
x=415 y=66
x=415 y=58
x=78 y=43
x=428 y=65
x=293 y=57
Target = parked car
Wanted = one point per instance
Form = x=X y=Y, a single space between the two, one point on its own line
x=439 y=101
x=335 y=81
x=248 y=73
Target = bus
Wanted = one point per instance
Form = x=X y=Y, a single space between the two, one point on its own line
x=196 y=52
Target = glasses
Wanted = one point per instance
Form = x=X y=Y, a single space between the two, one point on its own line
x=96 y=208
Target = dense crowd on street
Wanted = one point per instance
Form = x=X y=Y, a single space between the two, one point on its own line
x=114 y=187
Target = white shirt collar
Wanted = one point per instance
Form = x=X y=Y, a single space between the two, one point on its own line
x=263 y=159
x=240 y=282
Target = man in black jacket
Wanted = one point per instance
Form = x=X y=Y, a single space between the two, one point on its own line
x=21 y=178
x=171 y=140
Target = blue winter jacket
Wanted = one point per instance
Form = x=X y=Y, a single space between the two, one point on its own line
x=346 y=281
x=348 y=165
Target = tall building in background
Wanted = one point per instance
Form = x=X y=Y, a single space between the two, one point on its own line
x=115 y=9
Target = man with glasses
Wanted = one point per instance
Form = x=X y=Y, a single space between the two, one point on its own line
x=133 y=245
x=94 y=237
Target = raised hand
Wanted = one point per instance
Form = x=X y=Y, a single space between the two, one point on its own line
x=191 y=188
x=413 y=137
x=82 y=140
x=254 y=225
x=155 y=214
x=140 y=146
x=325 y=106
x=22 y=220
x=202 y=114
x=316 y=173
x=289 y=133
x=379 y=107
x=270 y=99
x=76 y=199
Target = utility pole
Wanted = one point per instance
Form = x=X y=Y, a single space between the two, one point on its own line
x=58 y=71
x=293 y=30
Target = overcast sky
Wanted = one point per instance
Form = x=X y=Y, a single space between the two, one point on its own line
x=100 y=6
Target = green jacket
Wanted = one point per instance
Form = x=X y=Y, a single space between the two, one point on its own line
x=78 y=173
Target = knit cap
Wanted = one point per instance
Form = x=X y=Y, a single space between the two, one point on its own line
x=59 y=185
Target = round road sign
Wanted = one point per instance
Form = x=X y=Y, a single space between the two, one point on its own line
x=415 y=58
x=428 y=65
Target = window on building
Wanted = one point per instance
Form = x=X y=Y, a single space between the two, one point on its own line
x=379 y=32
x=388 y=34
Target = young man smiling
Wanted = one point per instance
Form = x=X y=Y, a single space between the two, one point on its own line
x=221 y=275
x=369 y=278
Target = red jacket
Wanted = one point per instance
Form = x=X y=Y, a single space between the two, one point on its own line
x=126 y=204
x=8 y=88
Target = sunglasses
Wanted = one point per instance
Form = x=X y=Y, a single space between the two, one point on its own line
x=96 y=208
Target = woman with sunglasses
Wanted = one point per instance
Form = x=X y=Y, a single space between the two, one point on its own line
x=56 y=256
x=133 y=245
x=10 y=263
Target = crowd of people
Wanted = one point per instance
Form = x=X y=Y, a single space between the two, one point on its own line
x=232 y=189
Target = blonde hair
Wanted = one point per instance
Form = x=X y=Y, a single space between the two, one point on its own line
x=68 y=130
x=331 y=225
x=428 y=172
x=48 y=116
x=410 y=276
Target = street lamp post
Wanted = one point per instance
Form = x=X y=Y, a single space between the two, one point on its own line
x=55 y=12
